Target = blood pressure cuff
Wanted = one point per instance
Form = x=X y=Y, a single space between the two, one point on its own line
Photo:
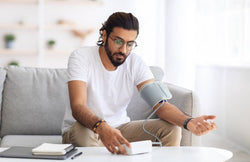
x=155 y=92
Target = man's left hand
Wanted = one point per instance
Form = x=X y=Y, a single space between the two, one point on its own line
x=201 y=125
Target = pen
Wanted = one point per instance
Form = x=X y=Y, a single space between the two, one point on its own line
x=76 y=155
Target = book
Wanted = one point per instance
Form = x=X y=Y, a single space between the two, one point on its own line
x=52 y=149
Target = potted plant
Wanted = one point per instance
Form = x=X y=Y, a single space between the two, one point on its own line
x=9 y=39
x=13 y=63
x=51 y=43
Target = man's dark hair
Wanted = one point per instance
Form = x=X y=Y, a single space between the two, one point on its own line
x=118 y=19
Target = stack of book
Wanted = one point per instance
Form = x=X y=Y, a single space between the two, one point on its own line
x=44 y=151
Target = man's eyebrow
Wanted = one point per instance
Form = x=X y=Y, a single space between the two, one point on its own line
x=119 y=37
x=123 y=39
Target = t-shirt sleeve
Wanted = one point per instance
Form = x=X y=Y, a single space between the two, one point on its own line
x=77 y=66
x=142 y=71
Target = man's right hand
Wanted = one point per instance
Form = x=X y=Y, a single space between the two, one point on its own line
x=112 y=139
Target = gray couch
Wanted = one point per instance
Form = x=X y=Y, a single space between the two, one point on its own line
x=33 y=103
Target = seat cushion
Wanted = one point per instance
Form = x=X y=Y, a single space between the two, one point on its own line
x=34 y=101
x=29 y=140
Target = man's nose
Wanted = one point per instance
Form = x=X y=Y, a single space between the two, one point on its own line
x=123 y=49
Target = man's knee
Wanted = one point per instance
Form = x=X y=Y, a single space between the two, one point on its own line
x=65 y=138
x=176 y=135
x=81 y=136
x=172 y=136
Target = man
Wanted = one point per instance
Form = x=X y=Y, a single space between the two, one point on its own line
x=101 y=81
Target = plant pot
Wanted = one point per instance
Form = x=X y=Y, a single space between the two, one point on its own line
x=9 y=44
x=50 y=47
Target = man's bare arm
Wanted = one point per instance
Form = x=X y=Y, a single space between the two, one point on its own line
x=110 y=136
x=78 y=102
x=173 y=115
x=198 y=126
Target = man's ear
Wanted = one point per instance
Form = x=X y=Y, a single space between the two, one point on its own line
x=104 y=36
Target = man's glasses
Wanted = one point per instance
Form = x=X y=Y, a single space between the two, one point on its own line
x=120 y=42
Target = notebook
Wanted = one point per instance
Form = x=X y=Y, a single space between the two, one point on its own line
x=52 y=149
x=26 y=152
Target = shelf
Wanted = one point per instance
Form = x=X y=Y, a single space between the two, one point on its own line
x=60 y=52
x=20 y=1
x=11 y=52
x=19 y=26
x=67 y=2
x=35 y=27
x=74 y=2
x=62 y=27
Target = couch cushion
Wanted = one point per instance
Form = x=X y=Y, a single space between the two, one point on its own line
x=2 y=79
x=34 y=101
x=29 y=140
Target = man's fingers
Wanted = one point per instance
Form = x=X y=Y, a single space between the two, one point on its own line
x=124 y=141
x=116 y=151
x=120 y=147
x=207 y=125
x=113 y=140
x=202 y=128
x=109 y=148
x=211 y=117
x=213 y=125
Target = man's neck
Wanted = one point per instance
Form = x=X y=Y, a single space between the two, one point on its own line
x=105 y=60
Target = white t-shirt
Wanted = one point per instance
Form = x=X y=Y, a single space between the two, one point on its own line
x=108 y=92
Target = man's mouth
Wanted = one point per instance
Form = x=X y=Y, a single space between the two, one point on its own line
x=119 y=56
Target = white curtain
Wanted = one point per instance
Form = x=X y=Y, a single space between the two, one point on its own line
x=223 y=29
x=151 y=40
x=205 y=32
x=223 y=74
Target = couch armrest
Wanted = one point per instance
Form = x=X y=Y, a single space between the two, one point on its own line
x=184 y=100
x=138 y=109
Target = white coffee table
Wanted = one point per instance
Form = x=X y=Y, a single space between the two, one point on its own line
x=159 y=154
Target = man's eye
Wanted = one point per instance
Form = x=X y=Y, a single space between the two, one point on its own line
x=130 y=44
x=118 y=42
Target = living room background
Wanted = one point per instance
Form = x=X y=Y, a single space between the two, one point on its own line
x=201 y=45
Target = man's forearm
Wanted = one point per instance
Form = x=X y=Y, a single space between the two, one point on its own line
x=172 y=114
x=85 y=116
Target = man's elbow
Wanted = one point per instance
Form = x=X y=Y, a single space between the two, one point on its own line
x=77 y=109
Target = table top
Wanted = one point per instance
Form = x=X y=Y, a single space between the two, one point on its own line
x=161 y=154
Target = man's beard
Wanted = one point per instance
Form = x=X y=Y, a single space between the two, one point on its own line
x=116 y=62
